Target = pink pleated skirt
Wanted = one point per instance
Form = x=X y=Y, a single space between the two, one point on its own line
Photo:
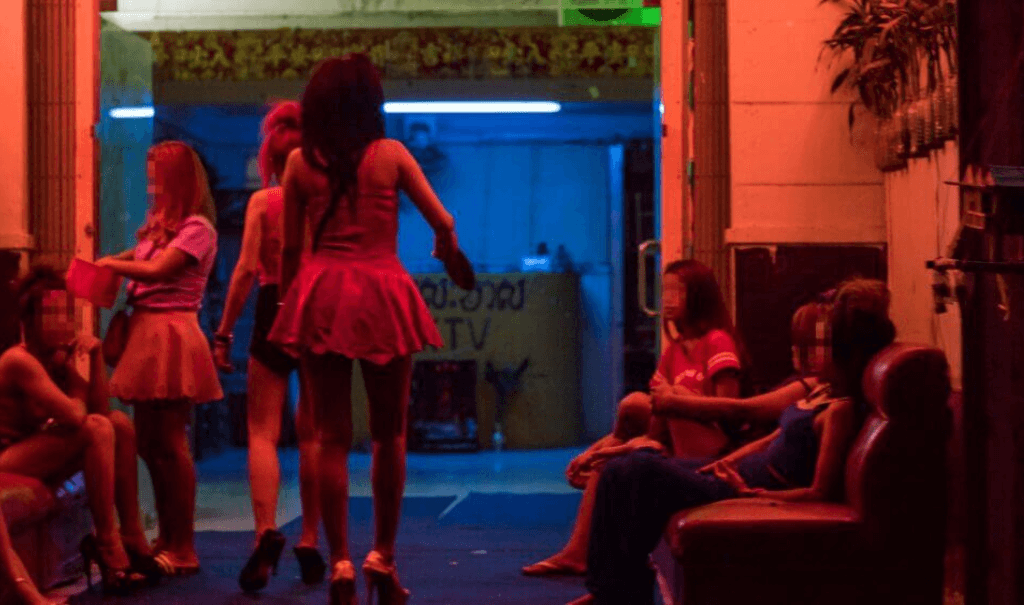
x=166 y=358
x=359 y=307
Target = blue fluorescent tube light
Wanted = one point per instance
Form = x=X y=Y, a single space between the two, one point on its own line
x=125 y=113
x=472 y=107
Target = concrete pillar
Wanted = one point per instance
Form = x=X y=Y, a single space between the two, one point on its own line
x=14 y=233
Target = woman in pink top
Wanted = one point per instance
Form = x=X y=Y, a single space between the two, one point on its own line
x=702 y=357
x=351 y=298
x=269 y=366
x=166 y=367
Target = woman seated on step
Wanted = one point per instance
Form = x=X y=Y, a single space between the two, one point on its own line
x=55 y=422
x=703 y=357
x=803 y=460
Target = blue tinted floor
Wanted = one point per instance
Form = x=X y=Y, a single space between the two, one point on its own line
x=469 y=522
x=223 y=496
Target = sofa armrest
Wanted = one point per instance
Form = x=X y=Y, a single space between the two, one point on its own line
x=759 y=531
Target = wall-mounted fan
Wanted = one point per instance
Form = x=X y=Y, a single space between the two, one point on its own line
x=420 y=136
x=421 y=139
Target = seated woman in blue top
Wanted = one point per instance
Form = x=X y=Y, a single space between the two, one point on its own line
x=802 y=460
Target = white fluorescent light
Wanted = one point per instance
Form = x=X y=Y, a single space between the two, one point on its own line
x=124 y=113
x=472 y=107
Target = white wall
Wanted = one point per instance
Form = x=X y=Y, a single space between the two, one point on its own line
x=923 y=216
x=800 y=176
x=796 y=174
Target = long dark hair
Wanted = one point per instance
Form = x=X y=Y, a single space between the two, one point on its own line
x=860 y=328
x=342 y=113
x=705 y=308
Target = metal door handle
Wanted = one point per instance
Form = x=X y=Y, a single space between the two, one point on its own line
x=644 y=249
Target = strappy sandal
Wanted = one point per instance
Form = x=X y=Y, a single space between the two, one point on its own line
x=169 y=567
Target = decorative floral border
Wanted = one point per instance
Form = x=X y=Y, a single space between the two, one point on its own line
x=408 y=53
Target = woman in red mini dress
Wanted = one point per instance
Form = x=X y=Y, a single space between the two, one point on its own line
x=351 y=298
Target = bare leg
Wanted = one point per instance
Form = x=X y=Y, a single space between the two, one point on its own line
x=46 y=455
x=328 y=381
x=309 y=469
x=147 y=428
x=13 y=572
x=126 y=483
x=573 y=556
x=387 y=388
x=265 y=400
x=99 y=487
x=174 y=471
x=632 y=420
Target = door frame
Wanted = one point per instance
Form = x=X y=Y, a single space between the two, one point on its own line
x=87 y=156
x=674 y=74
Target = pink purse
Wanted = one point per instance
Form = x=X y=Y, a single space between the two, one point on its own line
x=98 y=285
x=116 y=338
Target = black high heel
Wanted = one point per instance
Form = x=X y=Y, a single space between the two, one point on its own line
x=256 y=572
x=120 y=582
x=311 y=563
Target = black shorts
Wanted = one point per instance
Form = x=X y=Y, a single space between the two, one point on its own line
x=260 y=348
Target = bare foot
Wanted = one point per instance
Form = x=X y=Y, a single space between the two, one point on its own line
x=556 y=566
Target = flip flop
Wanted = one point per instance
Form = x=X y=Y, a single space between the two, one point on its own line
x=546 y=568
x=460 y=270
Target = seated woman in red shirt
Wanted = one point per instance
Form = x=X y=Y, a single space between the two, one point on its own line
x=802 y=460
x=54 y=422
x=703 y=357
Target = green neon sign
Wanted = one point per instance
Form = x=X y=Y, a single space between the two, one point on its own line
x=601 y=13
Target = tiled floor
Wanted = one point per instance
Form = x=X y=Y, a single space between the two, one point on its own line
x=222 y=501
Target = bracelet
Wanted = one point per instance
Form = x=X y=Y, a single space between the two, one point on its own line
x=224 y=338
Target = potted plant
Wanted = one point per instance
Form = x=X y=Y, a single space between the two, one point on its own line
x=901 y=51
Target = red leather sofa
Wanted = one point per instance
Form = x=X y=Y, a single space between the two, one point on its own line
x=882 y=543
